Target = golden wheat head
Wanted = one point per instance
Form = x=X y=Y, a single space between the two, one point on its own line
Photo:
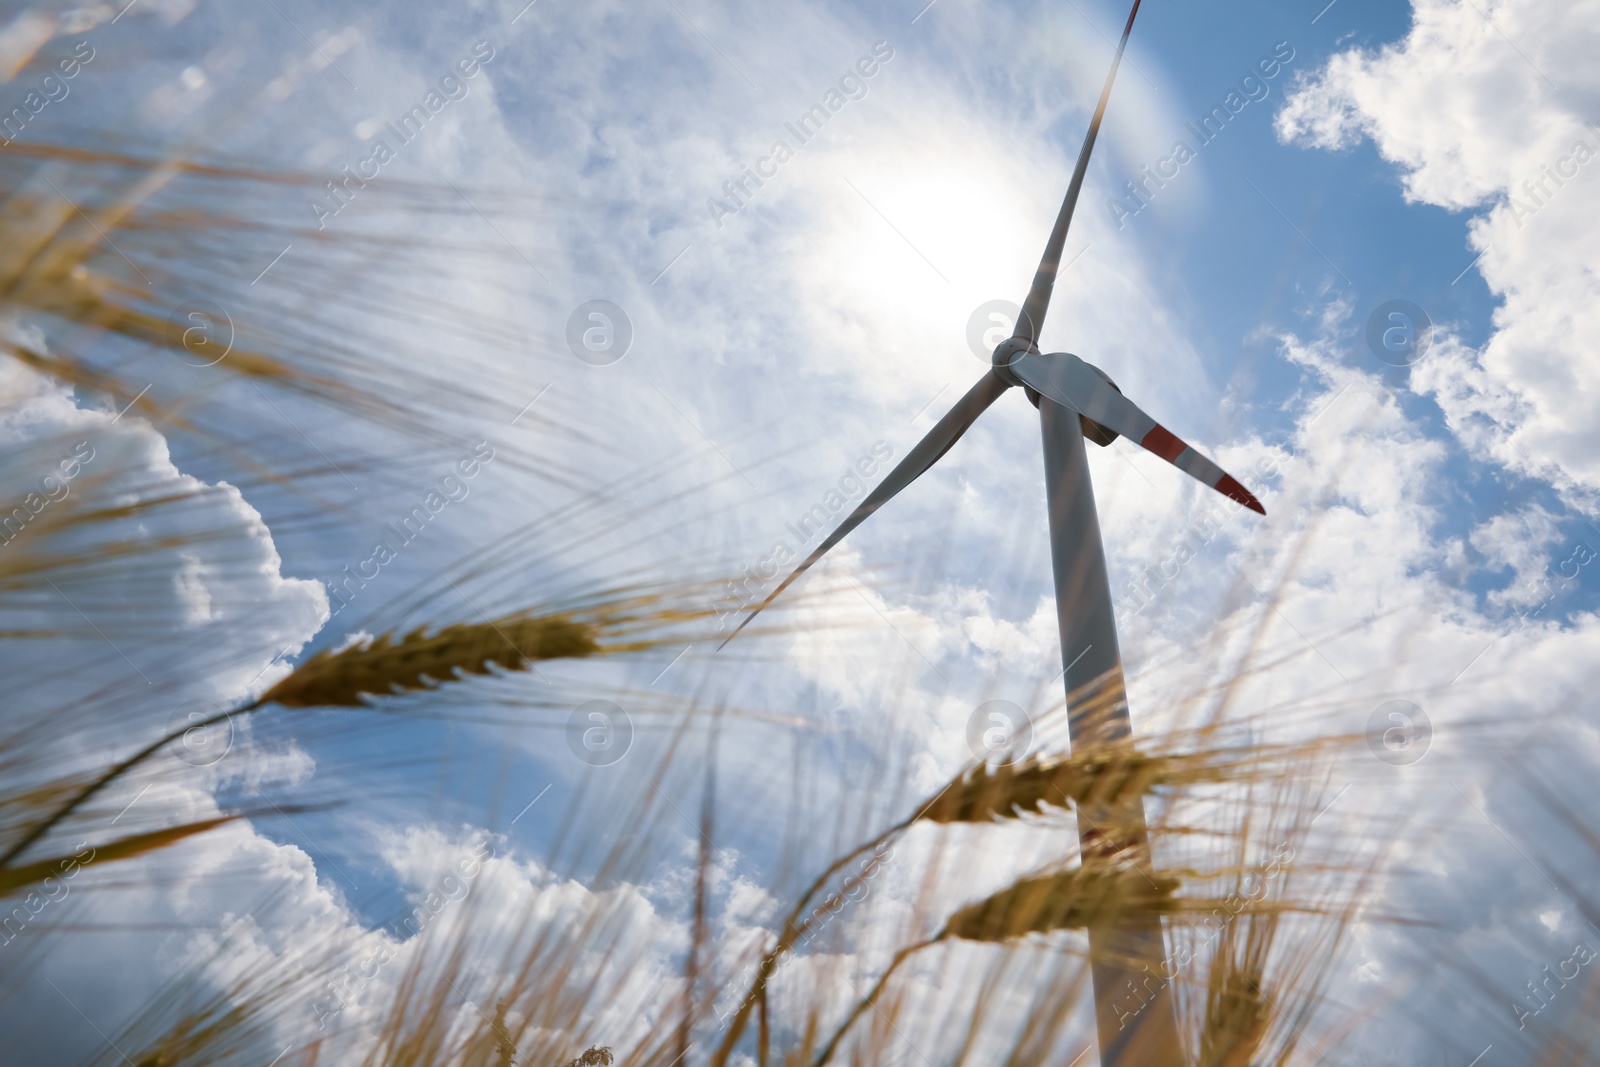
x=423 y=660
x=1069 y=900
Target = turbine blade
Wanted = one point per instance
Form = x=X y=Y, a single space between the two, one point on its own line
x=1071 y=382
x=1031 y=321
x=946 y=432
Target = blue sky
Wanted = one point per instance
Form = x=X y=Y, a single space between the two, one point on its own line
x=1411 y=515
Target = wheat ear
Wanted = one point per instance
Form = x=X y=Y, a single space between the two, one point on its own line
x=983 y=794
x=422 y=660
x=419 y=660
x=1066 y=900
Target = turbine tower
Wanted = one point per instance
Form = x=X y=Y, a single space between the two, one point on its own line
x=1077 y=400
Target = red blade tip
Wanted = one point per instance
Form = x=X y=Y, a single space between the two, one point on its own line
x=1229 y=487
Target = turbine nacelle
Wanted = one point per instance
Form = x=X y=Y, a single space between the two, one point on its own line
x=1014 y=349
x=1088 y=390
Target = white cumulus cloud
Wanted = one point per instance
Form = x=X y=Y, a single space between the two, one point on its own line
x=1490 y=108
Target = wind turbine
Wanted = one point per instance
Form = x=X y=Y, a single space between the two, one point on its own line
x=1077 y=400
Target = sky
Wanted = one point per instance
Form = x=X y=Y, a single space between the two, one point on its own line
x=1432 y=506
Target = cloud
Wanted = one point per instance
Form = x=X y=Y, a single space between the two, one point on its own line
x=1523 y=542
x=164 y=593
x=1490 y=108
x=198 y=916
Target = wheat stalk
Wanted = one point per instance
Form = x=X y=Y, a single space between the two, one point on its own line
x=1072 y=899
x=1105 y=775
x=421 y=660
x=1085 y=896
x=30 y=874
x=176 y=225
